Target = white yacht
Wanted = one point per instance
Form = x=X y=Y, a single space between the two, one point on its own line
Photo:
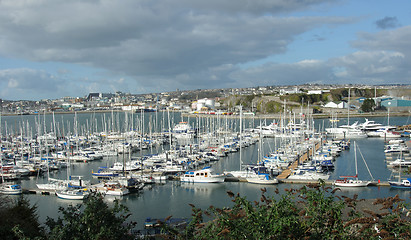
x=262 y=179
x=183 y=130
x=205 y=175
x=370 y=125
x=73 y=194
x=129 y=166
x=346 y=131
x=384 y=133
x=113 y=188
x=400 y=162
x=10 y=189
x=350 y=181
x=305 y=174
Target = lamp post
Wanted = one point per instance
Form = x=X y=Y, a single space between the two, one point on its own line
x=389 y=104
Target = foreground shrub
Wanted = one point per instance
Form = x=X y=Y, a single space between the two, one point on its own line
x=312 y=212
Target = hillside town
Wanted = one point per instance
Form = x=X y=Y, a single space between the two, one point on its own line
x=254 y=100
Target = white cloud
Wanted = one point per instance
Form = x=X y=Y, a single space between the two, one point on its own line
x=26 y=82
x=158 y=45
x=156 y=39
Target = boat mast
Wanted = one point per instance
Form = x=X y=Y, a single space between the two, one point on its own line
x=355 y=157
x=241 y=129
x=1 y=155
x=348 y=116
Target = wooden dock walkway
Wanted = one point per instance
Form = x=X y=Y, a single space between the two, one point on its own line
x=39 y=192
x=328 y=182
x=287 y=172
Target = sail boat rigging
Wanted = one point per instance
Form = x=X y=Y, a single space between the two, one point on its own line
x=401 y=183
x=353 y=181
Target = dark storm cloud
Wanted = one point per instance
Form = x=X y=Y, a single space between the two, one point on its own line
x=387 y=22
x=27 y=82
x=156 y=39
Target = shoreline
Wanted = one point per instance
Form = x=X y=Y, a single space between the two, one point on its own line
x=316 y=116
x=247 y=116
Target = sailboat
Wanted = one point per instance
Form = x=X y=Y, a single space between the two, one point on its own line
x=7 y=188
x=245 y=171
x=353 y=181
x=261 y=178
x=72 y=192
x=347 y=131
x=10 y=189
x=405 y=183
x=401 y=183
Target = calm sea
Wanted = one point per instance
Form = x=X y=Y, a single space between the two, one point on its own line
x=172 y=198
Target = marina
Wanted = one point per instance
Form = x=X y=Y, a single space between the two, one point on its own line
x=157 y=164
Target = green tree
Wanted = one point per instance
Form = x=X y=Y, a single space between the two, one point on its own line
x=93 y=220
x=312 y=212
x=18 y=219
x=368 y=105
x=272 y=107
x=317 y=217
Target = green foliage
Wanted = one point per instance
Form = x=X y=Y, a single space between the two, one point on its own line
x=292 y=97
x=325 y=97
x=317 y=109
x=368 y=105
x=335 y=95
x=323 y=214
x=190 y=96
x=341 y=93
x=95 y=220
x=367 y=93
x=312 y=212
x=306 y=98
x=245 y=101
x=338 y=94
x=249 y=98
x=272 y=107
x=19 y=220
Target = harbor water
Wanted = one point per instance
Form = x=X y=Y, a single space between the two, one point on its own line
x=173 y=197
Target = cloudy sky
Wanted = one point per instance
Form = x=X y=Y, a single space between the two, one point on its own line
x=56 y=48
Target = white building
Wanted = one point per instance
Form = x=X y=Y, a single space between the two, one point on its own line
x=289 y=91
x=317 y=91
x=203 y=103
x=129 y=108
x=335 y=105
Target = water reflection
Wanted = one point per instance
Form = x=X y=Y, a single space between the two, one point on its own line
x=173 y=198
x=204 y=190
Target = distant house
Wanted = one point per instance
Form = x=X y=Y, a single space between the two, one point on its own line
x=336 y=105
x=317 y=91
x=97 y=96
x=203 y=104
x=289 y=91
x=331 y=105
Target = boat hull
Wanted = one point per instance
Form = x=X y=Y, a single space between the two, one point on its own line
x=218 y=179
x=351 y=183
x=11 y=190
x=404 y=184
x=71 y=194
x=262 y=181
